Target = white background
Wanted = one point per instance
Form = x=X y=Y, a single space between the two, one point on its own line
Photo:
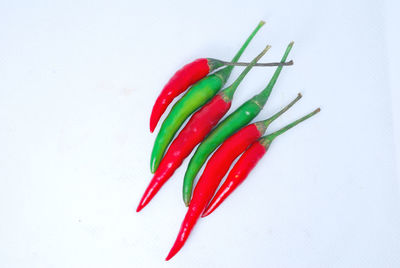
x=77 y=83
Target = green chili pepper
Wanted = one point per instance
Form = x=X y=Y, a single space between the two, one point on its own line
x=239 y=118
x=197 y=96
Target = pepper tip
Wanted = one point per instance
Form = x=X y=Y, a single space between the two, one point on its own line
x=170 y=254
x=139 y=208
x=152 y=126
x=153 y=165
x=186 y=200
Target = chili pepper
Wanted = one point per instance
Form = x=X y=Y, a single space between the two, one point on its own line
x=198 y=95
x=193 y=133
x=221 y=160
x=246 y=163
x=215 y=170
x=239 y=118
x=187 y=76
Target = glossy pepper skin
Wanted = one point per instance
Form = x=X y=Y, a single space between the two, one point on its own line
x=187 y=76
x=222 y=159
x=180 y=81
x=199 y=202
x=183 y=145
x=197 y=96
x=207 y=184
x=215 y=170
x=239 y=118
x=246 y=163
x=193 y=133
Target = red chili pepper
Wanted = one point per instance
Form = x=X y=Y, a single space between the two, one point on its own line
x=192 y=134
x=187 y=76
x=199 y=125
x=215 y=170
x=246 y=163
x=182 y=79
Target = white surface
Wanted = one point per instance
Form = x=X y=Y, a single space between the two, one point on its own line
x=77 y=83
x=393 y=57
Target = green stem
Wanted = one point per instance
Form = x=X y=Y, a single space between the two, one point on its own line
x=268 y=121
x=244 y=46
x=225 y=72
x=265 y=64
x=263 y=96
x=269 y=138
x=263 y=125
x=229 y=91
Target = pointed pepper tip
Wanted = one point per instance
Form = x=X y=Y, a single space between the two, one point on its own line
x=139 y=208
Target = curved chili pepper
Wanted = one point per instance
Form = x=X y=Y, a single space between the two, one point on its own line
x=193 y=133
x=221 y=160
x=197 y=96
x=187 y=76
x=182 y=79
x=215 y=170
x=239 y=118
x=246 y=163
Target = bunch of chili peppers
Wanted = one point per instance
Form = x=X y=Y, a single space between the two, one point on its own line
x=205 y=104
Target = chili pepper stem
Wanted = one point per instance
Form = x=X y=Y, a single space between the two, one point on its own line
x=266 y=64
x=263 y=125
x=225 y=72
x=236 y=120
x=246 y=163
x=275 y=116
x=229 y=91
x=248 y=68
x=197 y=96
x=263 y=96
x=269 y=138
